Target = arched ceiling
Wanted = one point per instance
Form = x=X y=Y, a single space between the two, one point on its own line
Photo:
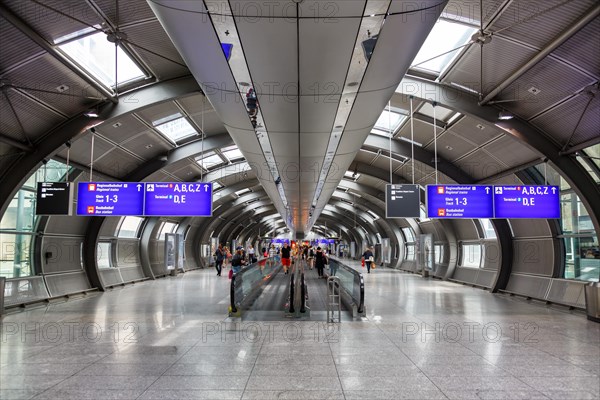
x=44 y=96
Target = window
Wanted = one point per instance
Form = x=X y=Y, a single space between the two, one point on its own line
x=470 y=255
x=176 y=129
x=18 y=222
x=444 y=37
x=410 y=252
x=588 y=158
x=408 y=235
x=388 y=120
x=103 y=258
x=129 y=227
x=488 y=229
x=593 y=153
x=209 y=160
x=232 y=153
x=96 y=55
x=167 y=227
x=15 y=255
x=439 y=253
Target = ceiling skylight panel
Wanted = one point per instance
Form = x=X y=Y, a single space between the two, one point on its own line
x=95 y=54
x=435 y=54
x=177 y=129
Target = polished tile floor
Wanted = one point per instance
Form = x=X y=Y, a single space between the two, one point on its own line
x=421 y=339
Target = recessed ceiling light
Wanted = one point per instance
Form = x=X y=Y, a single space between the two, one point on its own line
x=534 y=90
x=117 y=124
x=449 y=147
x=62 y=88
x=149 y=146
x=480 y=127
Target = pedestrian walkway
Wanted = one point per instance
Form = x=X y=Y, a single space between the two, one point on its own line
x=421 y=339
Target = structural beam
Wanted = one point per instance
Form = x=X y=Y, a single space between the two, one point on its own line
x=589 y=15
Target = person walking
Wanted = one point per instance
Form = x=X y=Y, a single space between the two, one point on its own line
x=286 y=253
x=238 y=261
x=368 y=258
x=219 y=257
x=320 y=261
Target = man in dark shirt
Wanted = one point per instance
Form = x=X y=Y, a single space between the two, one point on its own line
x=285 y=257
x=369 y=258
x=219 y=257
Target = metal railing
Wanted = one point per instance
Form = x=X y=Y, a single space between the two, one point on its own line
x=352 y=284
x=247 y=284
x=334 y=299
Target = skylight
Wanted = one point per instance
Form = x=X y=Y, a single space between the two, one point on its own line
x=388 y=120
x=97 y=56
x=177 y=129
x=444 y=37
x=209 y=160
x=232 y=153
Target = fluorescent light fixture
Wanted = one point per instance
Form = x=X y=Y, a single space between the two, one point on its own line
x=96 y=55
x=177 y=129
x=435 y=54
x=505 y=115
x=241 y=192
x=93 y=113
x=454 y=117
x=411 y=141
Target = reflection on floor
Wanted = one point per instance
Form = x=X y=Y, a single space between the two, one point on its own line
x=421 y=339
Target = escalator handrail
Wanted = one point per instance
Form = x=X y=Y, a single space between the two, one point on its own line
x=360 y=301
x=291 y=309
x=243 y=270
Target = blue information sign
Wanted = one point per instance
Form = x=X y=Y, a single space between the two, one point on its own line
x=527 y=201
x=110 y=198
x=181 y=199
x=460 y=201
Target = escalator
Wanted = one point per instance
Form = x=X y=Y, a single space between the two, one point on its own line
x=273 y=302
x=262 y=292
x=317 y=297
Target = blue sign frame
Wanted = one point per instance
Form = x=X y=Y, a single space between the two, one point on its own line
x=106 y=199
x=527 y=201
x=460 y=201
x=178 y=199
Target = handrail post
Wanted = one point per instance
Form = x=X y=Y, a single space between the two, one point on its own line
x=232 y=295
x=291 y=309
x=334 y=299
x=302 y=294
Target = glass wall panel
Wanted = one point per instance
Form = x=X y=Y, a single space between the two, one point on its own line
x=470 y=255
x=15 y=255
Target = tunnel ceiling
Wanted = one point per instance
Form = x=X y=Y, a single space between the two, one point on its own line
x=44 y=92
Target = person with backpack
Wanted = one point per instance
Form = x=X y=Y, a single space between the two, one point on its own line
x=320 y=262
